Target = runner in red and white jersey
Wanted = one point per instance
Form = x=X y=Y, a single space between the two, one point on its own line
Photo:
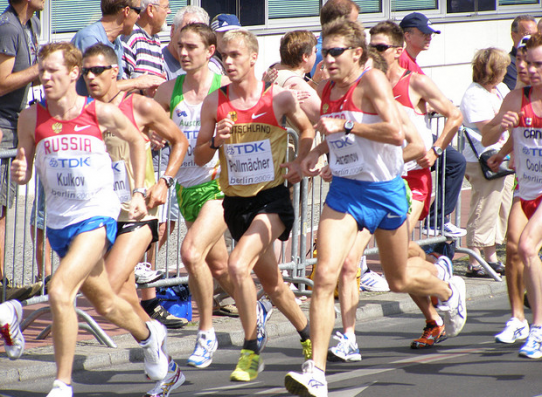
x=521 y=113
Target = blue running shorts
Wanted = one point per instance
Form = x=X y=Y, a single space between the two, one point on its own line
x=61 y=239
x=373 y=205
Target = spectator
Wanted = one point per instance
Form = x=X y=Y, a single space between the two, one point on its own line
x=118 y=18
x=490 y=200
x=184 y=16
x=142 y=48
x=19 y=34
x=333 y=9
x=522 y=25
x=418 y=35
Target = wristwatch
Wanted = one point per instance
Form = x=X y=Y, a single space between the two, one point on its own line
x=140 y=190
x=212 y=145
x=438 y=150
x=348 y=127
x=169 y=180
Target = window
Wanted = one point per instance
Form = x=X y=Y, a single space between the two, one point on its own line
x=3 y=5
x=369 y=6
x=249 y=12
x=295 y=8
x=455 y=6
x=517 y=2
x=413 y=5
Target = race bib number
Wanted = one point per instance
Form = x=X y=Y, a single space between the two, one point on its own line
x=121 y=182
x=346 y=155
x=249 y=163
x=70 y=177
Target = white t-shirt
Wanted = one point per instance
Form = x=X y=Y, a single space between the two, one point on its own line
x=478 y=104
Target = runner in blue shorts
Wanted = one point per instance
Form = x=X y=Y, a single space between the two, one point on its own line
x=64 y=132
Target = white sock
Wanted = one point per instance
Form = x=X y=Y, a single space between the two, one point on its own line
x=209 y=334
x=363 y=264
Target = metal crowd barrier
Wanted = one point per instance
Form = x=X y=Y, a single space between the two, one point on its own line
x=296 y=255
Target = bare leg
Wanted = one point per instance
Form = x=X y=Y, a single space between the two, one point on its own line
x=205 y=255
x=84 y=259
x=514 y=266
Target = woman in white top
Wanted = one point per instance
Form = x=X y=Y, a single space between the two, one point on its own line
x=490 y=199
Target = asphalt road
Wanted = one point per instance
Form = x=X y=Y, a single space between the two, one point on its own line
x=469 y=365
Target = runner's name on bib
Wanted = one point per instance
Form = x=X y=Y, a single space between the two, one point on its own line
x=249 y=163
x=70 y=177
x=346 y=155
x=121 y=183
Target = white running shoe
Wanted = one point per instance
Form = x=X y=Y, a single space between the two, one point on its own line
x=346 y=350
x=513 y=330
x=455 y=309
x=202 y=356
x=11 y=315
x=532 y=348
x=144 y=274
x=311 y=382
x=155 y=351
x=447 y=270
x=264 y=309
x=173 y=380
x=60 y=389
x=373 y=282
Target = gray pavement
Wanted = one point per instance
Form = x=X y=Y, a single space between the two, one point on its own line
x=39 y=362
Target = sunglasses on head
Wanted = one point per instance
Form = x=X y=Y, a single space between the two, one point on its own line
x=96 y=70
x=382 y=47
x=136 y=9
x=335 y=51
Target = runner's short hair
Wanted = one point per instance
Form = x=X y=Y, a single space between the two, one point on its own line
x=71 y=54
x=353 y=32
x=248 y=38
x=335 y=9
x=390 y=29
x=204 y=31
x=102 y=49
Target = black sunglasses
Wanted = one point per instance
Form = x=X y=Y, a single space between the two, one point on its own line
x=136 y=9
x=382 y=47
x=96 y=70
x=335 y=51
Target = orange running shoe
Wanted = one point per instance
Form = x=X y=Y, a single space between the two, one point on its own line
x=432 y=333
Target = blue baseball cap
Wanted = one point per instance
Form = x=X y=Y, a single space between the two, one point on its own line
x=419 y=21
x=225 y=22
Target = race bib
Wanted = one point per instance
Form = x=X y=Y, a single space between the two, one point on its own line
x=70 y=177
x=249 y=163
x=121 y=183
x=346 y=155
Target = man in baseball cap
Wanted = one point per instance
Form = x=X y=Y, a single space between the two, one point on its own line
x=418 y=21
x=225 y=22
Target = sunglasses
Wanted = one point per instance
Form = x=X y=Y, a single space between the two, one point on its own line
x=96 y=70
x=136 y=9
x=335 y=51
x=382 y=47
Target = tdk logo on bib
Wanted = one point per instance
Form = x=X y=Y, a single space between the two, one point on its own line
x=248 y=148
x=70 y=163
x=341 y=143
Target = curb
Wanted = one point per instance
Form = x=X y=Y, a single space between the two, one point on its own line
x=39 y=362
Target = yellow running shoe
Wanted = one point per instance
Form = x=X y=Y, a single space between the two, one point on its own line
x=307 y=349
x=248 y=367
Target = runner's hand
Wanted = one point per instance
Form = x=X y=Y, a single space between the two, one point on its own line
x=138 y=209
x=18 y=167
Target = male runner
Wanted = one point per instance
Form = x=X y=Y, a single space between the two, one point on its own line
x=134 y=236
x=413 y=91
x=65 y=133
x=362 y=125
x=257 y=207
x=204 y=251
x=521 y=113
